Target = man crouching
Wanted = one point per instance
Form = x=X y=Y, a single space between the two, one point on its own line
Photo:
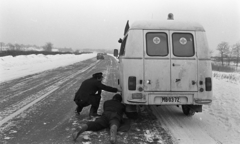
x=113 y=111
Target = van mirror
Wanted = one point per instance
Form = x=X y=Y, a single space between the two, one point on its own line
x=120 y=40
x=115 y=52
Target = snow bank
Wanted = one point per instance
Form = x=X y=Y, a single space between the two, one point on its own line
x=19 y=66
x=231 y=77
x=225 y=107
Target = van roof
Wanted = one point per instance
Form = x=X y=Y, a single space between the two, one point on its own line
x=167 y=25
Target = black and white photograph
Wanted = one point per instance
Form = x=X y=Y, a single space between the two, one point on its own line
x=119 y=71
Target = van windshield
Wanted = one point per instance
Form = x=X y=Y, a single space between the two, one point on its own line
x=157 y=44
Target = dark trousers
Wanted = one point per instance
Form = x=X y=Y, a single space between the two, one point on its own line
x=81 y=104
x=103 y=122
x=94 y=101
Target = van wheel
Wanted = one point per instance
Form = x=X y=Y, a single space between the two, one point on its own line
x=187 y=110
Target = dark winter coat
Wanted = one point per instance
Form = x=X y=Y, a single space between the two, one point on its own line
x=91 y=87
x=112 y=115
x=113 y=109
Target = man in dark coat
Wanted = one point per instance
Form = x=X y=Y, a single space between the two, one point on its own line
x=89 y=93
x=111 y=117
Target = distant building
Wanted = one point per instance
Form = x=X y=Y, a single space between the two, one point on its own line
x=55 y=50
x=5 y=47
x=65 y=50
x=33 y=49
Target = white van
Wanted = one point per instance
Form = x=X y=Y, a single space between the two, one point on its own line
x=165 y=63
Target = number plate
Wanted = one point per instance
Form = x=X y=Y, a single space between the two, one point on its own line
x=170 y=99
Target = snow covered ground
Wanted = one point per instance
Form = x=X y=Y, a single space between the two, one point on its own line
x=226 y=86
x=19 y=66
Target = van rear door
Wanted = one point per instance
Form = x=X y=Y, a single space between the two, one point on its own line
x=156 y=61
x=183 y=61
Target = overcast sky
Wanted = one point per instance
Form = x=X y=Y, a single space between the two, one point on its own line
x=100 y=23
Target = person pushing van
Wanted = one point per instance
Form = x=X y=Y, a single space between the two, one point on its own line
x=89 y=93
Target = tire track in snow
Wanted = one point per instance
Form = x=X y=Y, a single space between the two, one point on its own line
x=4 y=120
x=14 y=110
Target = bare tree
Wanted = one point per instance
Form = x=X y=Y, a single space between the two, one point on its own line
x=1 y=45
x=236 y=52
x=11 y=46
x=211 y=53
x=230 y=55
x=48 y=46
x=17 y=46
x=223 y=48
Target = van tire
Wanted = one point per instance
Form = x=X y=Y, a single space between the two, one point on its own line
x=187 y=110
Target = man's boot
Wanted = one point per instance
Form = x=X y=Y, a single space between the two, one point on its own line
x=113 y=134
x=77 y=112
x=91 y=111
x=78 y=131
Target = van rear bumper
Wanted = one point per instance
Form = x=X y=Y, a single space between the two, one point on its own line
x=184 y=98
x=139 y=101
x=203 y=101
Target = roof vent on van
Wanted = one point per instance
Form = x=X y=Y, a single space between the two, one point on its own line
x=170 y=16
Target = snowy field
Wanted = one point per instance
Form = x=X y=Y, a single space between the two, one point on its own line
x=226 y=106
x=19 y=66
x=226 y=86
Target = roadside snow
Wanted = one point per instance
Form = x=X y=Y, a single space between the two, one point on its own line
x=219 y=123
x=19 y=66
x=226 y=104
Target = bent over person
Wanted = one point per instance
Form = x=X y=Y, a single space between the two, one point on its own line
x=89 y=93
x=112 y=116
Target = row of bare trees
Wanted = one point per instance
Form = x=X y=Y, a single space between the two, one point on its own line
x=229 y=53
x=9 y=46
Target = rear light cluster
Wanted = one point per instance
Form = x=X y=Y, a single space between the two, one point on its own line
x=208 y=84
x=132 y=83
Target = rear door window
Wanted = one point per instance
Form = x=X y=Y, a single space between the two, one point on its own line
x=157 y=44
x=183 y=44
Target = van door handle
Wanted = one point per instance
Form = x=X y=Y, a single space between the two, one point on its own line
x=177 y=80
x=175 y=64
x=193 y=82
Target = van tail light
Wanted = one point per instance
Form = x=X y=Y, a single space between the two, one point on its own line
x=132 y=83
x=208 y=84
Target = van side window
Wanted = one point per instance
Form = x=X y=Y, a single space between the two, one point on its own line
x=157 y=44
x=122 y=48
x=183 y=44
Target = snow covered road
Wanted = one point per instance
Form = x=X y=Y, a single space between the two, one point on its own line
x=39 y=108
